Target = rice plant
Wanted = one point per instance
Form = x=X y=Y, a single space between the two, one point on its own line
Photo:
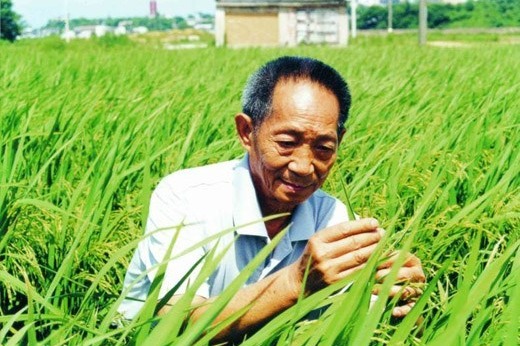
x=431 y=150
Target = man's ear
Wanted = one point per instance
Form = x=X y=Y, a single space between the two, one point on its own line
x=341 y=134
x=244 y=126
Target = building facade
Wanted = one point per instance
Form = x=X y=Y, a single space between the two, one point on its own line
x=241 y=23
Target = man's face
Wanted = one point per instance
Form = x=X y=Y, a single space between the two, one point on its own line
x=293 y=150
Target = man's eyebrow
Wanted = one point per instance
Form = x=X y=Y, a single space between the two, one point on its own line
x=290 y=132
x=297 y=133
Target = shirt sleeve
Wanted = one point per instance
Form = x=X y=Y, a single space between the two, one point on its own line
x=169 y=214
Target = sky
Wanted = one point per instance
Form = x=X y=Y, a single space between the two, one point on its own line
x=36 y=13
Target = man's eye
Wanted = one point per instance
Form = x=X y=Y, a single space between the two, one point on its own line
x=325 y=148
x=287 y=144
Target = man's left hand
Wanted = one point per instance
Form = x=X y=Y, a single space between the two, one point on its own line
x=409 y=282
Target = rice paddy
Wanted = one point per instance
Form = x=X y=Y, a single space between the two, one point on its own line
x=88 y=129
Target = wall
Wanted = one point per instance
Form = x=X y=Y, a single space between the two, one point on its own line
x=251 y=29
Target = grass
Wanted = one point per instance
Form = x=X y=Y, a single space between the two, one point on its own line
x=88 y=129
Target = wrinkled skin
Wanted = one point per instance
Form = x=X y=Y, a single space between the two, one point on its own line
x=292 y=151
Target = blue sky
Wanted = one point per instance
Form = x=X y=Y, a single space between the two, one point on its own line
x=37 y=12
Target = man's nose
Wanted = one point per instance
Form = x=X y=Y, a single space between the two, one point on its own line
x=302 y=162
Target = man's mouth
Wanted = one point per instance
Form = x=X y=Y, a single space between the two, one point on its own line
x=295 y=187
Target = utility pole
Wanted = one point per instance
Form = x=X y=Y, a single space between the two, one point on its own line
x=390 y=15
x=423 y=22
x=353 y=17
x=67 y=24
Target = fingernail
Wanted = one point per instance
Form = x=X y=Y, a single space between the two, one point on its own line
x=374 y=223
x=381 y=231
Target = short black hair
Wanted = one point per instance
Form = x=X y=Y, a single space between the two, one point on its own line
x=258 y=93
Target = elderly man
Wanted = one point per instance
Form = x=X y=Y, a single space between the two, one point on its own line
x=293 y=120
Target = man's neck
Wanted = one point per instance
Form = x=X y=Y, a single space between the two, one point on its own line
x=270 y=207
x=275 y=226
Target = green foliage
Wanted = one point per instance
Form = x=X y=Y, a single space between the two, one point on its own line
x=55 y=24
x=372 y=17
x=113 y=41
x=480 y=14
x=405 y=16
x=9 y=21
x=430 y=150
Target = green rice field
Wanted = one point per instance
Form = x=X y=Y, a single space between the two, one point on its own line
x=432 y=150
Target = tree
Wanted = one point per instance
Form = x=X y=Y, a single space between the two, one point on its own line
x=439 y=15
x=372 y=17
x=9 y=21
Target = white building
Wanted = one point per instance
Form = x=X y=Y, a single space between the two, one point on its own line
x=120 y=30
x=140 y=30
x=68 y=35
x=240 y=23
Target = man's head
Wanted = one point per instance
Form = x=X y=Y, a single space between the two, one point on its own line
x=258 y=93
x=294 y=129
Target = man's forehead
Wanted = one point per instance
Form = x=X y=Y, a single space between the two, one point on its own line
x=297 y=88
x=292 y=84
x=300 y=106
x=287 y=80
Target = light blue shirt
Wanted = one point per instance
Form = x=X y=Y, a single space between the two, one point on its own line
x=208 y=200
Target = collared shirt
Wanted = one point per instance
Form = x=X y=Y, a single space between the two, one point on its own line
x=206 y=201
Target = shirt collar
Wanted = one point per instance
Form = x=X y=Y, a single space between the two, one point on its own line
x=246 y=210
x=303 y=223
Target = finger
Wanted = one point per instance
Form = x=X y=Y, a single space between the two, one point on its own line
x=331 y=271
x=352 y=243
x=401 y=292
x=389 y=260
x=410 y=260
x=346 y=229
x=343 y=274
x=353 y=259
x=405 y=274
x=402 y=310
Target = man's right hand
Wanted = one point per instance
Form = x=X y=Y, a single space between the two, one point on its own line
x=336 y=252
